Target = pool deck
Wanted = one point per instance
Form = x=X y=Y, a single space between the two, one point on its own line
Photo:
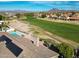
x=20 y=26
x=29 y=49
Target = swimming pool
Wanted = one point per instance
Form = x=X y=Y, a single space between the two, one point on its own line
x=16 y=33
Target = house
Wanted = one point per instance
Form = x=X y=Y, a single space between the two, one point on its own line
x=74 y=18
x=24 y=48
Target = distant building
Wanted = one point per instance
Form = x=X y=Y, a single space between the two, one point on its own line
x=74 y=18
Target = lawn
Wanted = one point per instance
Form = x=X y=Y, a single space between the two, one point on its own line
x=68 y=31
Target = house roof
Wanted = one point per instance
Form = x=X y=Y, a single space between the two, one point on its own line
x=5 y=52
x=75 y=18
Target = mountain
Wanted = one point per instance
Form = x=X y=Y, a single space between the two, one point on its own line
x=58 y=10
x=15 y=11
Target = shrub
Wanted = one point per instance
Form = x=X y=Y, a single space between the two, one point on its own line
x=66 y=51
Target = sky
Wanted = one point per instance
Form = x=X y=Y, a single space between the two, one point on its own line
x=39 y=5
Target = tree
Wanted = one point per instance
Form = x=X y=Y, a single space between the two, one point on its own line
x=69 y=52
x=1 y=17
x=61 y=48
x=18 y=15
x=58 y=14
x=43 y=15
x=72 y=13
x=66 y=51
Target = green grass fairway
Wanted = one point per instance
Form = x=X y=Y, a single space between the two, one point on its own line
x=68 y=31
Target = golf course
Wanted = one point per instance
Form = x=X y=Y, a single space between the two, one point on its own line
x=67 y=31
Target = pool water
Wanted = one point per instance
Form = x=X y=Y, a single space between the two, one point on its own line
x=14 y=33
x=17 y=34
